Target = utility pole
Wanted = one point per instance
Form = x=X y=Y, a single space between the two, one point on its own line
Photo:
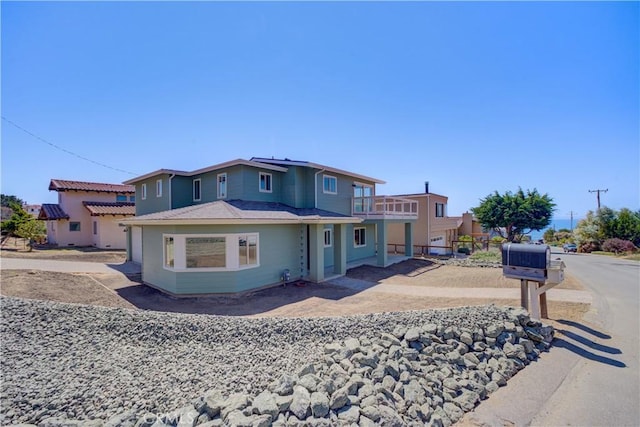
x=571 y=213
x=598 y=195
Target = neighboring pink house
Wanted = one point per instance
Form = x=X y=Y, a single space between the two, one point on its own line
x=88 y=214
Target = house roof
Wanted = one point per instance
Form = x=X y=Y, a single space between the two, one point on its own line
x=65 y=185
x=303 y=163
x=110 y=208
x=228 y=164
x=279 y=165
x=239 y=212
x=50 y=211
x=419 y=195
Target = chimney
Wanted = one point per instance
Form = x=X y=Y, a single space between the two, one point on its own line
x=426 y=187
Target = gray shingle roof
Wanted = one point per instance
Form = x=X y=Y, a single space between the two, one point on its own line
x=241 y=211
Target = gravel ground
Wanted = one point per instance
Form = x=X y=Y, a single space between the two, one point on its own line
x=87 y=362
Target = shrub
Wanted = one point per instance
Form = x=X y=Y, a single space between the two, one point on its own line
x=487 y=256
x=618 y=246
x=588 y=246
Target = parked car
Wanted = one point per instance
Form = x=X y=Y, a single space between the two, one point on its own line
x=569 y=247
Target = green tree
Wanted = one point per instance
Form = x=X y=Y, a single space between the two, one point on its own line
x=515 y=215
x=626 y=226
x=6 y=200
x=18 y=217
x=587 y=233
x=606 y=219
x=32 y=230
x=5 y=206
x=549 y=235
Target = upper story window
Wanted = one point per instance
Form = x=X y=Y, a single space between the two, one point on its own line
x=440 y=210
x=222 y=186
x=121 y=197
x=132 y=198
x=197 y=183
x=265 y=182
x=159 y=188
x=329 y=184
x=143 y=192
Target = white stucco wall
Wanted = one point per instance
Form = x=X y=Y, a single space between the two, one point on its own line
x=109 y=235
x=71 y=203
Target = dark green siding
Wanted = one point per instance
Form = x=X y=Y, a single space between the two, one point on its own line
x=181 y=192
x=152 y=203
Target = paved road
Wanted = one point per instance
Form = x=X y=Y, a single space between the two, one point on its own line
x=590 y=377
x=603 y=389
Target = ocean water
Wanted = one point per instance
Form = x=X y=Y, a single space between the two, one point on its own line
x=556 y=224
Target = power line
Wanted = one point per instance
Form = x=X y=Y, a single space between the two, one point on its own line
x=57 y=147
x=598 y=194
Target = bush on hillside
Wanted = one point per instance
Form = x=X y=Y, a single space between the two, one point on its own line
x=588 y=246
x=618 y=246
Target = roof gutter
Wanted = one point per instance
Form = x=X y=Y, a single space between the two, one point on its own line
x=315 y=203
x=170 y=189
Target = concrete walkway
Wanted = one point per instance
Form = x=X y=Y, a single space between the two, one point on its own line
x=126 y=268
x=568 y=295
x=67 y=266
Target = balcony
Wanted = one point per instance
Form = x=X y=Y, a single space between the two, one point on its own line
x=384 y=207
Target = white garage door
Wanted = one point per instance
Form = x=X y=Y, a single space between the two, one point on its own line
x=437 y=241
x=136 y=244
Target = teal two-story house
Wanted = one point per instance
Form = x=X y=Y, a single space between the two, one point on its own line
x=248 y=224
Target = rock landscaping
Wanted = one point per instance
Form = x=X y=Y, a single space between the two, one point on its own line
x=76 y=365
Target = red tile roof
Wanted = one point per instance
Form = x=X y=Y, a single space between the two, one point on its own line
x=52 y=211
x=64 y=185
x=108 y=208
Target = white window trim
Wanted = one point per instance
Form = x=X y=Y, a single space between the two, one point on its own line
x=327 y=231
x=354 y=237
x=199 y=181
x=270 y=189
x=159 y=188
x=143 y=190
x=232 y=260
x=324 y=190
x=226 y=188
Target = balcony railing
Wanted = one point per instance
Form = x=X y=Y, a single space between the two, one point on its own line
x=382 y=207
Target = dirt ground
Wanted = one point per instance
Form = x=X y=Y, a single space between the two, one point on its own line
x=303 y=300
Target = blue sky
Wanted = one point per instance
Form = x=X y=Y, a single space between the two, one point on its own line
x=472 y=97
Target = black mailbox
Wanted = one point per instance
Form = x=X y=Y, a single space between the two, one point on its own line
x=528 y=262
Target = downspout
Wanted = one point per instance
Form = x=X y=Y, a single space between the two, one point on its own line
x=171 y=190
x=315 y=193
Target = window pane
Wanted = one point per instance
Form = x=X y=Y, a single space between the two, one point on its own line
x=327 y=237
x=265 y=182
x=248 y=250
x=196 y=189
x=74 y=226
x=204 y=252
x=168 y=252
x=222 y=186
x=121 y=198
x=253 y=250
